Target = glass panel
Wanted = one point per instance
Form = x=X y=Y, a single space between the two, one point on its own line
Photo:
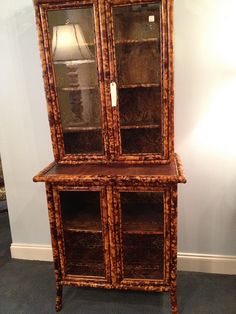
x=75 y=67
x=143 y=234
x=138 y=64
x=81 y=219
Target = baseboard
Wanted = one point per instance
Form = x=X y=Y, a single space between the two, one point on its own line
x=31 y=252
x=206 y=263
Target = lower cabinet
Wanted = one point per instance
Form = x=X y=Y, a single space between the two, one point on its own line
x=114 y=227
x=113 y=237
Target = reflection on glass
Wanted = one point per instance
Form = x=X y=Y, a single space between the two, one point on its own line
x=69 y=46
x=138 y=64
x=75 y=66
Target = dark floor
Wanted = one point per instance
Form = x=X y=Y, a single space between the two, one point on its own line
x=3 y=206
x=5 y=235
x=27 y=287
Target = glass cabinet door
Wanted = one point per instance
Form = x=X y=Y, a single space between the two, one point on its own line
x=138 y=73
x=83 y=236
x=142 y=235
x=75 y=67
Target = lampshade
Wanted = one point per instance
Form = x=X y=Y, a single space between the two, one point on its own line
x=68 y=44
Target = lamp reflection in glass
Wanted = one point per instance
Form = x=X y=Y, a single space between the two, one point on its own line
x=70 y=48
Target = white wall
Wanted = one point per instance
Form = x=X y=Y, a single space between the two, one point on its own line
x=24 y=132
x=205 y=113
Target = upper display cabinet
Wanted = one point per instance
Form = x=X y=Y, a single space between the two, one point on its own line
x=108 y=74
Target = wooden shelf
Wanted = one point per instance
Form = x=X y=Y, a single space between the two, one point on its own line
x=141 y=218
x=138 y=85
x=78 y=225
x=143 y=271
x=76 y=89
x=144 y=227
x=141 y=232
x=74 y=62
x=136 y=41
x=123 y=86
x=88 y=268
x=82 y=221
x=141 y=126
x=74 y=129
x=92 y=229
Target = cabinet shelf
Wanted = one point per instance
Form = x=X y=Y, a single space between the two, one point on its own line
x=145 y=227
x=76 y=89
x=74 y=62
x=83 y=223
x=92 y=229
x=74 y=129
x=127 y=41
x=123 y=86
x=142 y=232
x=126 y=86
x=144 y=271
x=78 y=268
x=141 y=126
x=136 y=41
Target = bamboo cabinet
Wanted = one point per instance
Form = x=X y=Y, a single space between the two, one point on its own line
x=112 y=188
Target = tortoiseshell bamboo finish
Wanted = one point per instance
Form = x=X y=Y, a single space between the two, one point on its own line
x=112 y=173
x=55 y=245
x=110 y=182
x=106 y=73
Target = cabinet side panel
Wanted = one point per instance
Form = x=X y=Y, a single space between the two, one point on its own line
x=167 y=234
x=39 y=24
x=170 y=27
x=173 y=264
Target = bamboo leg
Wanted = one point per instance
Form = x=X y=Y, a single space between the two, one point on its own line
x=56 y=257
x=59 y=297
x=173 y=301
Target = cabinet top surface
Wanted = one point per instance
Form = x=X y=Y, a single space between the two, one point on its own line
x=169 y=173
x=68 y=1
